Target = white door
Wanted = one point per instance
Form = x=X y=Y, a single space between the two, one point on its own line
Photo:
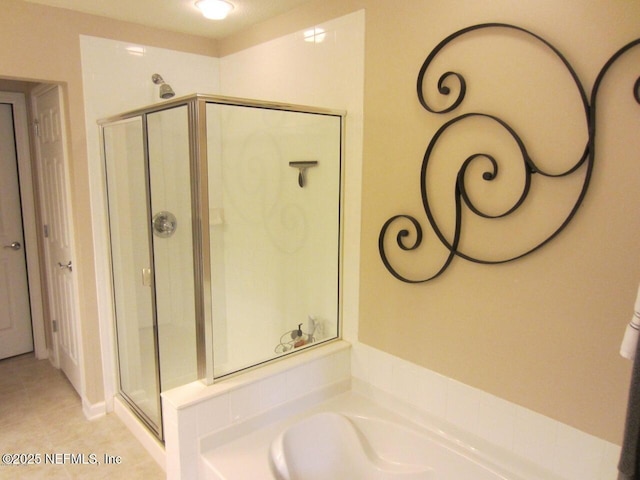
x=57 y=229
x=15 y=314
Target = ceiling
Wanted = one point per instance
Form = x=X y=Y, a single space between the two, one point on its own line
x=180 y=15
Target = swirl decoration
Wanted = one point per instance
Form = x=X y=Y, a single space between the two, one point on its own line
x=529 y=167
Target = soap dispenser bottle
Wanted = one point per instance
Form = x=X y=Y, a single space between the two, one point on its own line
x=299 y=339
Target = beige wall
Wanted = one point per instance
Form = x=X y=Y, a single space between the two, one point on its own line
x=543 y=331
x=42 y=44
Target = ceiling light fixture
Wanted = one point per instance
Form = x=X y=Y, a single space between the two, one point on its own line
x=214 y=9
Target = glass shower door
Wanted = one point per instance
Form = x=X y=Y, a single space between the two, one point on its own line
x=127 y=180
x=170 y=181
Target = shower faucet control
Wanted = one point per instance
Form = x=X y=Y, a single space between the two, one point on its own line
x=164 y=224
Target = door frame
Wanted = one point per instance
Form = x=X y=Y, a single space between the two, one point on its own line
x=26 y=182
x=54 y=347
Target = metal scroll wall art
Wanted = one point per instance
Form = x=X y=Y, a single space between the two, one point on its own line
x=408 y=240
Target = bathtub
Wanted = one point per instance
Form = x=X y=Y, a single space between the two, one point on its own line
x=352 y=437
x=333 y=445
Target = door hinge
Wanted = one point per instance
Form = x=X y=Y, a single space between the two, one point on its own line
x=46 y=231
x=36 y=126
x=54 y=324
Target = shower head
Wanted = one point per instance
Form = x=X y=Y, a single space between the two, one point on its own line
x=165 y=89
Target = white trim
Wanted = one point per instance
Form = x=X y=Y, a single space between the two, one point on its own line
x=148 y=441
x=102 y=264
x=93 y=411
x=36 y=92
x=29 y=223
x=51 y=355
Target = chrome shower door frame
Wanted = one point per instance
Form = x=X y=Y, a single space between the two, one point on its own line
x=151 y=424
x=197 y=119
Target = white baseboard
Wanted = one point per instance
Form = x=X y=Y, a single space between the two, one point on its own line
x=40 y=352
x=51 y=355
x=148 y=441
x=93 y=411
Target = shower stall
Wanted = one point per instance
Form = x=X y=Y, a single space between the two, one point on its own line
x=225 y=230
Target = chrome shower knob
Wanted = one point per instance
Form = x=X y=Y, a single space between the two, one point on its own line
x=164 y=224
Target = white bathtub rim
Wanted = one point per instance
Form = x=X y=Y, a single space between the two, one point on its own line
x=463 y=441
x=357 y=405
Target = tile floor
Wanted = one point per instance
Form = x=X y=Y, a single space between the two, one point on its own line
x=40 y=413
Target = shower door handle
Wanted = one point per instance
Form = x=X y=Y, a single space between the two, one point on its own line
x=146 y=277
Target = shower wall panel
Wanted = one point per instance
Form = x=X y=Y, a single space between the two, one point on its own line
x=274 y=244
